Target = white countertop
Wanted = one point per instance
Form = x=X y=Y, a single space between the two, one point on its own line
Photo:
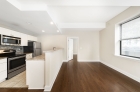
x=37 y=58
x=51 y=50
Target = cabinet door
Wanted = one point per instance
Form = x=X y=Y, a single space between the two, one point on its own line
x=15 y=33
x=24 y=39
x=29 y=37
x=35 y=38
x=3 y=67
x=3 y=75
x=5 y=31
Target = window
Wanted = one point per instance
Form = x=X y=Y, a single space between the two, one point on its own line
x=130 y=38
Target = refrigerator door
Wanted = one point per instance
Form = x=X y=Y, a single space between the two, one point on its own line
x=37 y=45
x=37 y=52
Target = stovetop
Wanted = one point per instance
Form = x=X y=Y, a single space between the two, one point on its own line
x=11 y=53
x=16 y=55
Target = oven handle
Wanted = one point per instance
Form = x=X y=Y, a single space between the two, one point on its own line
x=16 y=57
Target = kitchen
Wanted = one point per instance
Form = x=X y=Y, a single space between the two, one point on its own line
x=15 y=49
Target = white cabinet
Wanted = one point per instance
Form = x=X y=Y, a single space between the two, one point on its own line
x=5 y=31
x=3 y=76
x=29 y=56
x=15 y=33
x=24 y=39
x=3 y=69
x=32 y=38
x=9 y=32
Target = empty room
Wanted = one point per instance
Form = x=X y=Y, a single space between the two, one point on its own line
x=69 y=46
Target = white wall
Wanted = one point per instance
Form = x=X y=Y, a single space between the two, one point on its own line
x=88 y=43
x=107 y=46
x=75 y=46
x=50 y=41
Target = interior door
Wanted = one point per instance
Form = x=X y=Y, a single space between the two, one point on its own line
x=70 y=49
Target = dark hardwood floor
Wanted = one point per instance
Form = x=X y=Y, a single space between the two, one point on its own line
x=88 y=77
x=18 y=90
x=92 y=77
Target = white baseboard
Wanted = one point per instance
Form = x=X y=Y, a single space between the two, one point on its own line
x=121 y=71
x=35 y=88
x=48 y=88
x=88 y=60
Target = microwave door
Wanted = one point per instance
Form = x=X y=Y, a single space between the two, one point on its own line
x=9 y=41
x=4 y=41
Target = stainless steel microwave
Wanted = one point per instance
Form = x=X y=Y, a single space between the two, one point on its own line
x=9 y=40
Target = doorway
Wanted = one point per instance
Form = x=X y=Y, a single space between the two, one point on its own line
x=72 y=47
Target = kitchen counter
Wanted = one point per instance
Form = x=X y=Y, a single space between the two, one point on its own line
x=37 y=58
x=41 y=71
x=28 y=53
x=35 y=72
x=51 y=50
x=2 y=52
x=3 y=57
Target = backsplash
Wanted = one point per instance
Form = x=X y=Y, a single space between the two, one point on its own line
x=18 y=49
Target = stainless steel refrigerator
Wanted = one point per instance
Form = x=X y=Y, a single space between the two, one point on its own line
x=36 y=46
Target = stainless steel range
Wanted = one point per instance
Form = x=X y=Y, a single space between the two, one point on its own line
x=16 y=64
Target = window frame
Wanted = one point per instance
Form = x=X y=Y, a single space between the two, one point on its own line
x=127 y=38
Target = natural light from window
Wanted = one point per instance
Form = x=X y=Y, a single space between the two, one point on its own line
x=130 y=38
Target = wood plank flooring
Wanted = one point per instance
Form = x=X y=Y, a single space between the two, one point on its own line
x=19 y=90
x=87 y=77
x=18 y=81
x=92 y=77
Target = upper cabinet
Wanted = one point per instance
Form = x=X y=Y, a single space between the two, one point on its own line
x=15 y=33
x=9 y=32
x=5 y=31
x=32 y=38
x=24 y=37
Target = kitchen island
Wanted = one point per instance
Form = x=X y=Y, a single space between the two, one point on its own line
x=42 y=70
x=35 y=72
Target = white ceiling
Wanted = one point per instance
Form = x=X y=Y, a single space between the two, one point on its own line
x=84 y=14
x=67 y=15
x=16 y=19
x=80 y=2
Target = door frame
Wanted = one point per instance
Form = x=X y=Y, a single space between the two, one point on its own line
x=77 y=46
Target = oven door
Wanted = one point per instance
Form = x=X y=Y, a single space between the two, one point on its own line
x=15 y=63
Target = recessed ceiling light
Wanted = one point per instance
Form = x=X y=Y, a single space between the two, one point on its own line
x=51 y=22
x=57 y=30
x=43 y=31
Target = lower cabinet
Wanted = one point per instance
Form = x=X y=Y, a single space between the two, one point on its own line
x=3 y=69
x=3 y=76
